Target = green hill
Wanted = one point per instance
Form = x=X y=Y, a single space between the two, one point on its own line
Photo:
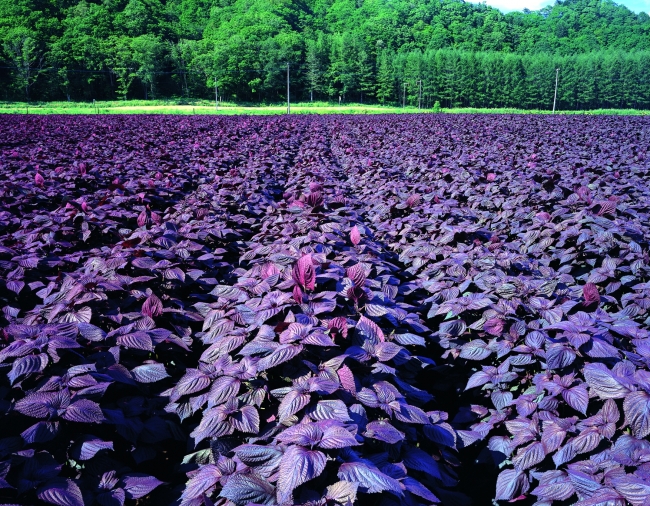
x=387 y=51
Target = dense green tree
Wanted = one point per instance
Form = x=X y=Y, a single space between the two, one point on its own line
x=25 y=58
x=463 y=54
x=120 y=63
x=385 y=81
x=316 y=55
x=146 y=53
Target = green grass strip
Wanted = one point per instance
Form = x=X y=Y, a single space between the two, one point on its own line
x=205 y=107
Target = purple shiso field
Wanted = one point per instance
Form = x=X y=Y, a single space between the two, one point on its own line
x=389 y=310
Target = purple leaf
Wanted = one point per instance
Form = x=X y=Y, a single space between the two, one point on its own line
x=577 y=397
x=346 y=377
x=335 y=436
x=41 y=432
x=281 y=354
x=529 y=456
x=152 y=307
x=511 y=483
x=478 y=379
x=192 y=382
x=213 y=424
x=603 y=383
x=136 y=341
x=443 y=434
x=559 y=356
x=298 y=294
x=138 y=485
x=15 y=286
x=339 y=325
x=243 y=489
x=297 y=466
x=27 y=365
x=61 y=492
x=453 y=328
x=590 y=293
x=246 y=419
x=413 y=200
x=149 y=373
x=43 y=404
x=304 y=273
x=610 y=412
x=222 y=389
x=120 y=374
x=586 y=441
x=384 y=431
x=357 y=274
x=143 y=219
x=584 y=484
x=91 y=332
x=329 y=410
x=84 y=411
x=322 y=385
x=501 y=400
x=634 y=489
x=89 y=447
x=559 y=490
x=410 y=414
x=293 y=402
x=202 y=482
x=368 y=477
x=342 y=492
x=604 y=497
x=304 y=434
x=369 y=330
x=418 y=459
x=636 y=407
x=265 y=459
x=355 y=236
x=415 y=487
x=387 y=351
x=494 y=326
x=475 y=350
x=410 y=339
x=564 y=454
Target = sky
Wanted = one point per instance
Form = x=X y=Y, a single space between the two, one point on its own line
x=533 y=5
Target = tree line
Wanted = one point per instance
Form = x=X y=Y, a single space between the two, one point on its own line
x=414 y=52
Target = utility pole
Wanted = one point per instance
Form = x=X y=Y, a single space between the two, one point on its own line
x=288 y=102
x=404 y=96
x=557 y=73
x=216 y=94
x=419 y=94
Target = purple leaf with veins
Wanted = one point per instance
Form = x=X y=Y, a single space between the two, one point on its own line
x=152 y=307
x=304 y=273
x=61 y=492
x=297 y=466
x=355 y=236
x=137 y=485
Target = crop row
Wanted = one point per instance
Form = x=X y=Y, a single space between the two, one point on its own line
x=318 y=310
x=536 y=262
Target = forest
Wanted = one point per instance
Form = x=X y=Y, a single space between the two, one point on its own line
x=408 y=52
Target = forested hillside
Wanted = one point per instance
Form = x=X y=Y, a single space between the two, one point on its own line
x=387 y=51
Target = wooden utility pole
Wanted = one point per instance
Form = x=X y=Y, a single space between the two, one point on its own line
x=288 y=102
x=557 y=73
